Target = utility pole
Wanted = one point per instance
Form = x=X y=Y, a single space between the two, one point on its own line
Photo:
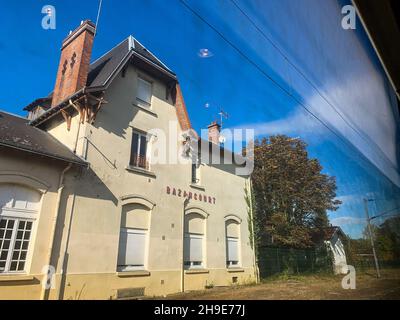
x=372 y=237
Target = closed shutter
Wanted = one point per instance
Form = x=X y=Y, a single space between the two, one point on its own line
x=132 y=248
x=196 y=248
x=233 y=254
x=144 y=91
x=193 y=248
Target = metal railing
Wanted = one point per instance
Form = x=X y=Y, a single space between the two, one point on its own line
x=139 y=161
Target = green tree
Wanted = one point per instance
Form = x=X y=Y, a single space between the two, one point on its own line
x=292 y=196
x=387 y=238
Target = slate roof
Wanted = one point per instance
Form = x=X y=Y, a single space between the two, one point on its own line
x=329 y=232
x=102 y=69
x=15 y=132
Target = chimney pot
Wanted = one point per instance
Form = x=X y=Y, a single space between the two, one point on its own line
x=214 y=130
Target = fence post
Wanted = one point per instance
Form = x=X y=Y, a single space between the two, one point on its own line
x=312 y=260
x=277 y=259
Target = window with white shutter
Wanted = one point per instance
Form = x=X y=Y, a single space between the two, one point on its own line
x=232 y=243
x=194 y=241
x=132 y=245
x=193 y=250
x=232 y=252
x=144 y=93
x=133 y=240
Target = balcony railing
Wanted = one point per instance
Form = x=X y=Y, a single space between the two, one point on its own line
x=139 y=161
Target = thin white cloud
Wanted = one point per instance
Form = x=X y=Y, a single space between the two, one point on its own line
x=350 y=198
x=298 y=123
x=347 y=220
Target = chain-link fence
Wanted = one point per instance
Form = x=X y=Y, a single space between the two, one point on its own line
x=366 y=262
x=276 y=260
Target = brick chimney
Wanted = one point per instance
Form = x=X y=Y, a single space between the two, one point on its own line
x=214 y=130
x=74 y=63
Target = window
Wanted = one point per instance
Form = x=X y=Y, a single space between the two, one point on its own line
x=132 y=246
x=133 y=240
x=232 y=252
x=232 y=243
x=194 y=241
x=196 y=171
x=193 y=250
x=139 y=151
x=144 y=89
x=18 y=209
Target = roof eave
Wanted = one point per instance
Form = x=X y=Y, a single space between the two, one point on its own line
x=79 y=162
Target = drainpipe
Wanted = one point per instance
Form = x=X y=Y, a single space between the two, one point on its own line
x=255 y=265
x=54 y=225
x=185 y=202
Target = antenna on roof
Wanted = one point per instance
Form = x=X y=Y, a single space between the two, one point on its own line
x=223 y=115
x=98 y=16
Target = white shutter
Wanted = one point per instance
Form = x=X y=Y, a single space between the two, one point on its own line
x=144 y=90
x=233 y=254
x=132 y=247
x=196 y=248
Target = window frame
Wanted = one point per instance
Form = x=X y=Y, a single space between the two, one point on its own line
x=229 y=263
x=128 y=268
x=140 y=101
x=137 y=152
x=196 y=171
x=193 y=264
x=20 y=215
x=12 y=246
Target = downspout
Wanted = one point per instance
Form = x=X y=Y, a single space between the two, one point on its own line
x=185 y=202
x=54 y=225
x=255 y=264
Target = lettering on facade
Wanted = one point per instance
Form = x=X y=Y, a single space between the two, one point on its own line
x=190 y=195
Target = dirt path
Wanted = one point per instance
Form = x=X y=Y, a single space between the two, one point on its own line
x=307 y=288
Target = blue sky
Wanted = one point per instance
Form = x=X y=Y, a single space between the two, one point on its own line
x=272 y=60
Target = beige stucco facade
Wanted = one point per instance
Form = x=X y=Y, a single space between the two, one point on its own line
x=97 y=201
x=41 y=175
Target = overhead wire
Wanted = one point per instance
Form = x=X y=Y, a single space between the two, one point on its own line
x=281 y=87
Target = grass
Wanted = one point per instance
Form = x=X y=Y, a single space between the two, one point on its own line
x=323 y=286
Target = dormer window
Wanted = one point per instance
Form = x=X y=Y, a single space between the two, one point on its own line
x=144 y=93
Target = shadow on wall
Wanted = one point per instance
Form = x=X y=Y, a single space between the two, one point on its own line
x=92 y=187
x=120 y=111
